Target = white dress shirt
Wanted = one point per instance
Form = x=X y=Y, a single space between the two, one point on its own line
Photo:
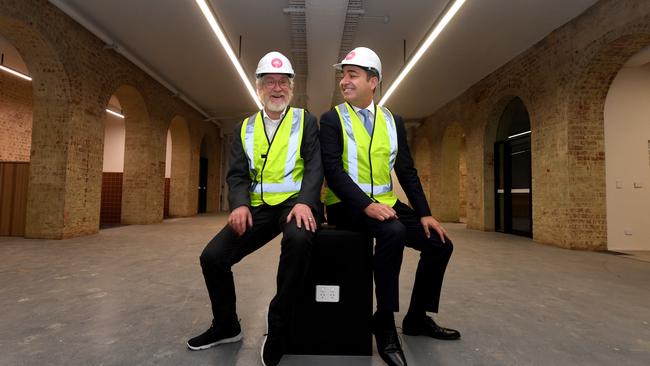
x=370 y=108
x=271 y=125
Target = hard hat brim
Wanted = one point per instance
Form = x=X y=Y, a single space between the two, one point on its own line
x=340 y=65
x=260 y=75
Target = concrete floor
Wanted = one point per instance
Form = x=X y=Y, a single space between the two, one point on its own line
x=638 y=255
x=133 y=295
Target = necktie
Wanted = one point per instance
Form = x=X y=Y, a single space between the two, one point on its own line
x=367 y=123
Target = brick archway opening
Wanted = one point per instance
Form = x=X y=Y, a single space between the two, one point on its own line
x=587 y=207
x=16 y=115
x=134 y=164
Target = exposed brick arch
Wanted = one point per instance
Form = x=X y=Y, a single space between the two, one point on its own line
x=586 y=135
x=49 y=207
x=75 y=75
x=499 y=100
x=16 y=113
x=143 y=179
x=563 y=80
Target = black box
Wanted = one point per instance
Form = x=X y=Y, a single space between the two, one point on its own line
x=344 y=259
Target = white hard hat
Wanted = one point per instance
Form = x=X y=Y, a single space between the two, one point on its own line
x=274 y=63
x=362 y=57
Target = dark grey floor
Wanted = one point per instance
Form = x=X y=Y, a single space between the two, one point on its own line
x=133 y=295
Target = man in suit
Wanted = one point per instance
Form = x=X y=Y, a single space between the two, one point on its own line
x=361 y=143
x=274 y=178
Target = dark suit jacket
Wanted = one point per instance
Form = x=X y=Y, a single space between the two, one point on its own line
x=331 y=139
x=239 y=181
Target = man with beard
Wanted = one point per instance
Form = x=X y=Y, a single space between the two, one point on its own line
x=361 y=143
x=274 y=178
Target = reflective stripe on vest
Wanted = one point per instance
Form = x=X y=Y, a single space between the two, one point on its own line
x=381 y=187
x=276 y=170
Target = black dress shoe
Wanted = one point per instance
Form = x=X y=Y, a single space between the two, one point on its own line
x=388 y=346
x=427 y=327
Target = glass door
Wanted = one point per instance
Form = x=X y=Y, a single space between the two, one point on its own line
x=513 y=196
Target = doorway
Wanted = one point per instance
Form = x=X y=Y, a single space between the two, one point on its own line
x=512 y=169
x=203 y=185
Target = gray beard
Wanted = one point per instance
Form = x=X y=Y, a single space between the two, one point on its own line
x=273 y=107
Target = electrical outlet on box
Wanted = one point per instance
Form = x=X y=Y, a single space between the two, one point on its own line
x=327 y=293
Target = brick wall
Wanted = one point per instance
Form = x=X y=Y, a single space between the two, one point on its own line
x=73 y=79
x=563 y=81
x=462 y=182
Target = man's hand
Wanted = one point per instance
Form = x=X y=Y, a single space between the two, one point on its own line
x=379 y=211
x=428 y=222
x=303 y=215
x=240 y=220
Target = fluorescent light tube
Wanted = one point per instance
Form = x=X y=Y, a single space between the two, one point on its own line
x=423 y=48
x=120 y=115
x=16 y=73
x=216 y=28
x=519 y=134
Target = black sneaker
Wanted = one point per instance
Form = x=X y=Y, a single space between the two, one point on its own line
x=214 y=337
x=272 y=346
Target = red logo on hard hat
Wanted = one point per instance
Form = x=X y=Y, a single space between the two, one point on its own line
x=277 y=63
x=350 y=55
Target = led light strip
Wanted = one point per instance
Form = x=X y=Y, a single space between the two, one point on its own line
x=519 y=134
x=115 y=113
x=207 y=13
x=423 y=48
x=16 y=73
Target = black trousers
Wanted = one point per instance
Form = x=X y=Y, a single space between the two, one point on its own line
x=227 y=249
x=391 y=237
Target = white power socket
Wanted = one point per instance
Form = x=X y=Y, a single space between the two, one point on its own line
x=327 y=293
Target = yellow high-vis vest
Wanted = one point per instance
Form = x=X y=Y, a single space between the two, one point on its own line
x=276 y=168
x=368 y=159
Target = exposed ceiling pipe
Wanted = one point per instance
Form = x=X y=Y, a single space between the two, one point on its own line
x=293 y=9
x=217 y=123
x=299 y=54
x=111 y=44
x=214 y=120
x=354 y=12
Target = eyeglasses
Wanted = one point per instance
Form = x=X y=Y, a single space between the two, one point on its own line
x=270 y=83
